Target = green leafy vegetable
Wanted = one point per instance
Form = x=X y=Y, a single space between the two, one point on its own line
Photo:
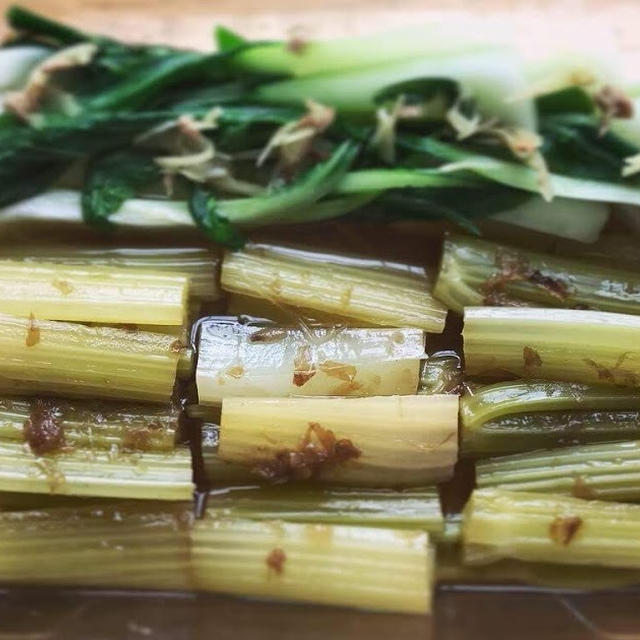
x=519 y=176
x=22 y=19
x=111 y=180
x=204 y=210
x=394 y=102
x=288 y=204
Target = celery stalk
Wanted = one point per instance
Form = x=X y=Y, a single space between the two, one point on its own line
x=364 y=567
x=542 y=528
x=240 y=360
x=199 y=265
x=397 y=509
x=131 y=546
x=608 y=471
x=83 y=472
x=241 y=305
x=474 y=272
x=554 y=344
x=221 y=473
x=95 y=425
x=508 y=417
x=92 y=294
x=385 y=297
x=376 y=441
x=450 y=568
x=441 y=373
x=41 y=356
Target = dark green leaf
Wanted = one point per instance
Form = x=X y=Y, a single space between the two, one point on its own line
x=419 y=90
x=226 y=39
x=459 y=206
x=23 y=20
x=111 y=180
x=570 y=100
x=149 y=78
x=574 y=146
x=204 y=210
x=289 y=203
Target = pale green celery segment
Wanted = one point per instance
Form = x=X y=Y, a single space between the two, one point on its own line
x=46 y=357
x=552 y=344
x=86 y=472
x=476 y=272
x=397 y=509
x=364 y=567
x=93 y=425
x=128 y=545
x=383 y=297
x=240 y=360
x=92 y=293
x=609 y=471
x=199 y=264
x=539 y=527
x=376 y=441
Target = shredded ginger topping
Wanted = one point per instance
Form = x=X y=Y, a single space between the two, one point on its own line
x=293 y=140
x=25 y=103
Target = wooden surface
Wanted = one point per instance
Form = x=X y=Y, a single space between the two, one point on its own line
x=537 y=24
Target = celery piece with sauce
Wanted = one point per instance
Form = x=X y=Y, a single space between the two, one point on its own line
x=364 y=567
x=538 y=527
x=114 y=295
x=199 y=265
x=609 y=471
x=90 y=425
x=250 y=360
x=127 y=545
x=47 y=357
x=552 y=344
x=375 y=441
x=384 y=297
x=475 y=272
x=86 y=472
